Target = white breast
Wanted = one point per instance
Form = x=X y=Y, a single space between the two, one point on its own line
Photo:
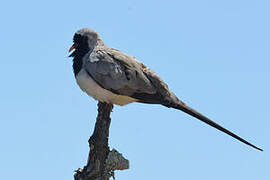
x=88 y=85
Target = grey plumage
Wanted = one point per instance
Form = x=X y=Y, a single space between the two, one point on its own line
x=114 y=77
x=117 y=72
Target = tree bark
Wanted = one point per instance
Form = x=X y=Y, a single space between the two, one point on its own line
x=101 y=161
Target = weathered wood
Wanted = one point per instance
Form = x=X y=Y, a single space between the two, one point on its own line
x=101 y=162
x=99 y=148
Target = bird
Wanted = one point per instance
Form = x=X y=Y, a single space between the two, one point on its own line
x=111 y=76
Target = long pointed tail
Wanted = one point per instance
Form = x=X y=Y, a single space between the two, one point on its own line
x=183 y=107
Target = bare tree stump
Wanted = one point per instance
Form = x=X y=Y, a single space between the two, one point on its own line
x=101 y=161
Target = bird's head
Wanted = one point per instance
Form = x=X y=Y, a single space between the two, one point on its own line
x=84 y=40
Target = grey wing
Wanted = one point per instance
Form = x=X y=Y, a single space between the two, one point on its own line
x=124 y=75
x=117 y=72
x=163 y=94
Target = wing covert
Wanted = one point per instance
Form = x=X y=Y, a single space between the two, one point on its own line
x=117 y=72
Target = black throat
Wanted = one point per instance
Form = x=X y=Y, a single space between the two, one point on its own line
x=78 y=55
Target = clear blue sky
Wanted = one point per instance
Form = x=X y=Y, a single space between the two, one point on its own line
x=213 y=54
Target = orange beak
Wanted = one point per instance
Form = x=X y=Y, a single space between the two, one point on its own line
x=72 y=47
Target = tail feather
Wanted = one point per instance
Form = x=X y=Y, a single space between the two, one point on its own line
x=183 y=107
